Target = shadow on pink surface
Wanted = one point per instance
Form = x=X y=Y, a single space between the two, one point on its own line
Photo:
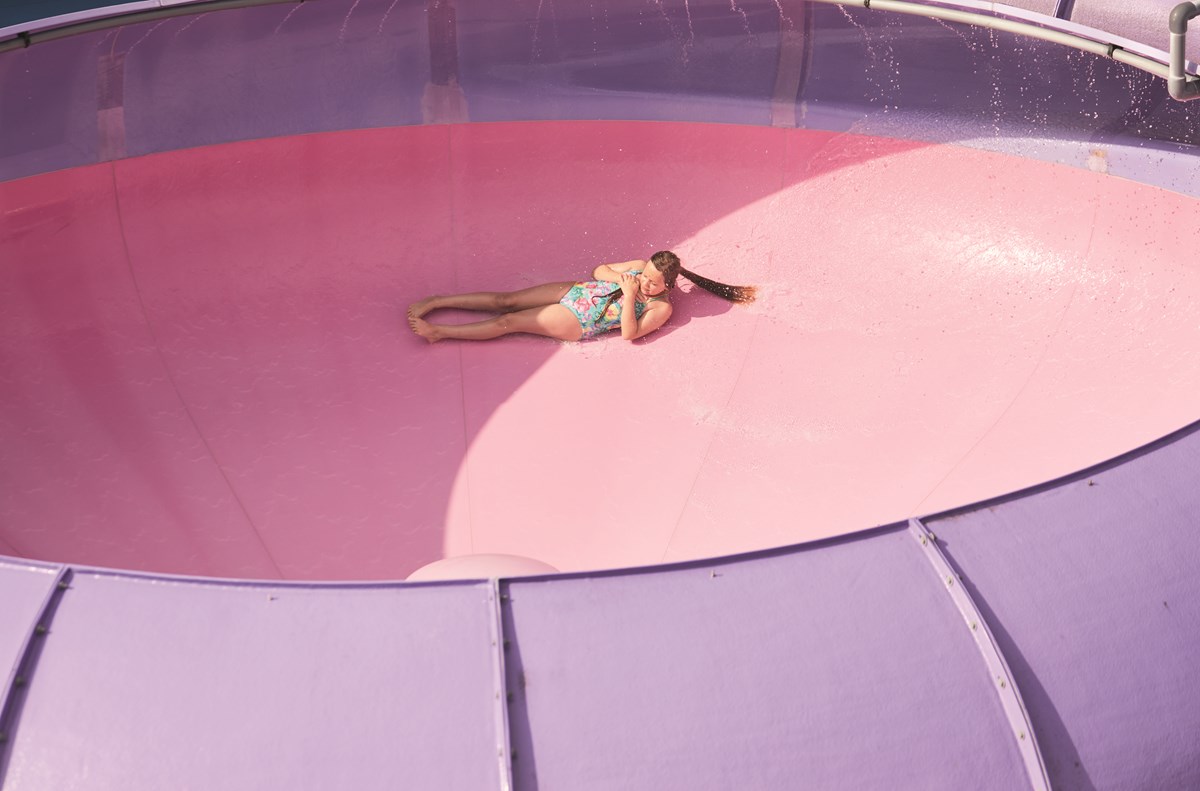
x=212 y=373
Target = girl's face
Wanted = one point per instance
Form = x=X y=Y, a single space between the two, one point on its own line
x=651 y=281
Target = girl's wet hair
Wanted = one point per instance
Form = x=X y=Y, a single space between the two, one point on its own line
x=671 y=267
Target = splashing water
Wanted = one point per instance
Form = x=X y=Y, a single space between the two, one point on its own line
x=387 y=13
x=662 y=10
x=537 y=30
x=733 y=6
x=687 y=9
x=872 y=55
x=684 y=44
x=891 y=68
x=783 y=17
x=145 y=36
x=107 y=36
x=967 y=40
x=595 y=32
x=346 y=22
x=196 y=19
x=996 y=93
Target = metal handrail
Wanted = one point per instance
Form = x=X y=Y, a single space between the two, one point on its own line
x=112 y=16
x=1180 y=84
x=1097 y=47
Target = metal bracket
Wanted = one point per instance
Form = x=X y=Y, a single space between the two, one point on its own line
x=496 y=599
x=1180 y=84
x=1003 y=682
x=22 y=669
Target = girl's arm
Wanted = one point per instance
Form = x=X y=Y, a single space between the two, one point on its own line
x=611 y=273
x=653 y=317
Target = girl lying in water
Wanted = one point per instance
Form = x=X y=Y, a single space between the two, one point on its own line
x=572 y=311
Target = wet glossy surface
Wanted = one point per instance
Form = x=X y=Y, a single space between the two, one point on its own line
x=207 y=370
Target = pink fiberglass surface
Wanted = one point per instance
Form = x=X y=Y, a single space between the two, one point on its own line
x=205 y=367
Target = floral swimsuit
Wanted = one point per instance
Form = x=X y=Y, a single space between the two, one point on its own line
x=586 y=300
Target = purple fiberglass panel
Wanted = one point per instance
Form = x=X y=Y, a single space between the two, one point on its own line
x=48 y=106
x=841 y=666
x=342 y=64
x=272 y=70
x=1091 y=589
x=211 y=78
x=700 y=61
x=240 y=686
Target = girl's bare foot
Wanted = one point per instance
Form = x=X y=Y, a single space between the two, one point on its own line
x=423 y=328
x=419 y=308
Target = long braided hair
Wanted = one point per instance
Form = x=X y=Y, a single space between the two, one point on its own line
x=669 y=265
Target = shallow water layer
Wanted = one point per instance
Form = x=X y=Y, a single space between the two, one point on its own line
x=207 y=371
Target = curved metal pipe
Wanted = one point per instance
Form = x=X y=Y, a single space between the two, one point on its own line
x=1180 y=84
x=102 y=19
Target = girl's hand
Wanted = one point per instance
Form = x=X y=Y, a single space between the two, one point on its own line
x=629 y=285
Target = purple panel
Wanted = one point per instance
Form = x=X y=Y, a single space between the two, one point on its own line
x=251 y=687
x=217 y=77
x=708 y=60
x=843 y=667
x=1092 y=592
x=48 y=106
x=272 y=70
x=23 y=589
x=341 y=64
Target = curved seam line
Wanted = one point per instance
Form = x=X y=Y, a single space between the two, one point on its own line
x=462 y=384
x=1025 y=385
x=1012 y=702
x=783 y=156
x=171 y=378
x=713 y=438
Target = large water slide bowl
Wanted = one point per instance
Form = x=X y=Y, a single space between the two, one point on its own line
x=976 y=319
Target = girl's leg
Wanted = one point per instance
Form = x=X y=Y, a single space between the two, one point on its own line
x=494 y=301
x=553 y=321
